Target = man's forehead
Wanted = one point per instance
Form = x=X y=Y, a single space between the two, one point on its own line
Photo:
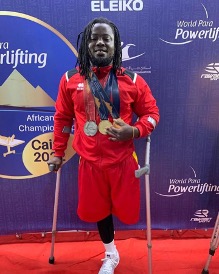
x=102 y=27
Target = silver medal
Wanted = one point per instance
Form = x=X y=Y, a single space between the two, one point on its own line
x=90 y=128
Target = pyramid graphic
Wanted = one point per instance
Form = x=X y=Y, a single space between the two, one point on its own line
x=18 y=92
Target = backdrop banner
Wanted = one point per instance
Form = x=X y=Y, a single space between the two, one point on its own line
x=174 y=46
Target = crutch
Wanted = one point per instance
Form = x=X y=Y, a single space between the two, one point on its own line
x=213 y=245
x=55 y=211
x=138 y=173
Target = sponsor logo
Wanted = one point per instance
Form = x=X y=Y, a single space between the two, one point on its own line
x=178 y=187
x=80 y=86
x=117 y=5
x=126 y=56
x=213 y=69
x=201 y=216
x=139 y=69
x=125 y=52
x=188 y=31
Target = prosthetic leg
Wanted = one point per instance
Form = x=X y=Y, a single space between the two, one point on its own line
x=213 y=245
x=55 y=211
x=138 y=173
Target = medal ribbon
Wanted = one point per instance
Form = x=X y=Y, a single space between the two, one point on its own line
x=89 y=103
x=102 y=96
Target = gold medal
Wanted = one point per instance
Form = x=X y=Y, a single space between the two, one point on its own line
x=103 y=125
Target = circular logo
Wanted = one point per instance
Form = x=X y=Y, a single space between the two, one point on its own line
x=33 y=58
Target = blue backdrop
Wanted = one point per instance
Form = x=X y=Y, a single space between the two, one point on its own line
x=172 y=45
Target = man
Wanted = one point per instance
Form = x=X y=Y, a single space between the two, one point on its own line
x=101 y=98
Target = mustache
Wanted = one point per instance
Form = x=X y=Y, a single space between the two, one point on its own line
x=100 y=49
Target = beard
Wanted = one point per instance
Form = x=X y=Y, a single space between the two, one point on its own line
x=101 y=62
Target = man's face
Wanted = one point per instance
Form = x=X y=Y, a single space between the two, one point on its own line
x=101 y=45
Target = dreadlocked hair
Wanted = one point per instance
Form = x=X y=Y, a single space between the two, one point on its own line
x=83 y=60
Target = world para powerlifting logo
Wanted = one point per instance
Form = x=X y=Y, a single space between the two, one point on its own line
x=188 y=31
x=193 y=184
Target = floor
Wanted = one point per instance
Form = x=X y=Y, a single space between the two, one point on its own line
x=173 y=252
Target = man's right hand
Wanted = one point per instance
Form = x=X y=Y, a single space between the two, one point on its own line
x=54 y=163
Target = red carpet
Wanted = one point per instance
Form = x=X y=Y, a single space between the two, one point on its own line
x=172 y=253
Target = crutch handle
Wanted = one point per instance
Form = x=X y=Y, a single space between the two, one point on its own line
x=51 y=167
x=146 y=168
x=143 y=170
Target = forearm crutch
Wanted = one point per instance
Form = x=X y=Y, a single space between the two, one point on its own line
x=138 y=173
x=55 y=211
x=213 y=245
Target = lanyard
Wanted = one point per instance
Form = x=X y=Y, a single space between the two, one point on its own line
x=102 y=96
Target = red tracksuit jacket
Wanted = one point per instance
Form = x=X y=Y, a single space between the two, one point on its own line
x=135 y=97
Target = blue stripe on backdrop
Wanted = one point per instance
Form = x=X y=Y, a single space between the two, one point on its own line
x=174 y=46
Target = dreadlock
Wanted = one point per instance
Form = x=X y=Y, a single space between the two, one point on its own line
x=83 y=60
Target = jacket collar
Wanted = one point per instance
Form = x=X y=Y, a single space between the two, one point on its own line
x=101 y=70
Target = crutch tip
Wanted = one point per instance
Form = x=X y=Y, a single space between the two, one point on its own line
x=51 y=260
x=205 y=271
